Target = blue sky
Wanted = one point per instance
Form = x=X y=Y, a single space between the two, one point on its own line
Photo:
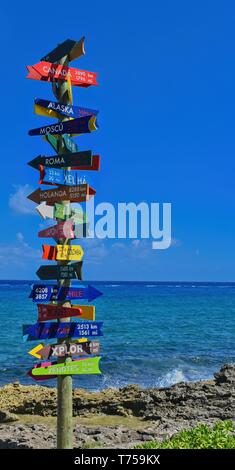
x=166 y=101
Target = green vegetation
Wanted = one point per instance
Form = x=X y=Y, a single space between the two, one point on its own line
x=220 y=436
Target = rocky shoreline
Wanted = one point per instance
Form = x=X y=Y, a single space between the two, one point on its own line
x=145 y=414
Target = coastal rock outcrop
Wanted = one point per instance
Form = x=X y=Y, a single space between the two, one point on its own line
x=162 y=411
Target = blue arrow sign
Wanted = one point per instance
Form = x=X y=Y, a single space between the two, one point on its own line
x=47 y=330
x=47 y=293
x=64 y=177
x=65 y=109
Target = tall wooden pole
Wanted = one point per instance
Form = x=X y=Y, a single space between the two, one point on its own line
x=64 y=382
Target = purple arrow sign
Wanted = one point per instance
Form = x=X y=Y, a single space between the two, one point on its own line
x=82 y=125
x=48 y=293
x=47 y=330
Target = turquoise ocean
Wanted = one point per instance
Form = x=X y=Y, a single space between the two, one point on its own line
x=155 y=334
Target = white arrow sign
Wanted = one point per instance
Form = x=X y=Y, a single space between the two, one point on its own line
x=45 y=211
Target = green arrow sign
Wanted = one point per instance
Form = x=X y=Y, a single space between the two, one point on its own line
x=81 y=366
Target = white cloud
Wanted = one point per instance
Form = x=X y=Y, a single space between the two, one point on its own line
x=18 y=201
x=18 y=253
x=94 y=249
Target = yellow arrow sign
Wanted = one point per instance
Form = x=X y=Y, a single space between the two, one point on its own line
x=34 y=351
x=69 y=252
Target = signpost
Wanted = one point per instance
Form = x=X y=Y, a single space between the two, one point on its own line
x=69 y=271
x=53 y=312
x=71 y=223
x=78 y=348
x=61 y=330
x=55 y=109
x=53 y=293
x=62 y=252
x=80 y=193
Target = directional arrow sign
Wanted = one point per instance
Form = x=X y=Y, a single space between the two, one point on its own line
x=82 y=125
x=62 y=252
x=70 y=271
x=81 y=366
x=41 y=377
x=73 y=49
x=80 y=193
x=77 y=348
x=61 y=230
x=54 y=312
x=66 y=230
x=48 y=293
x=69 y=144
x=49 y=330
x=77 y=161
x=54 y=142
x=55 y=109
x=45 y=211
x=55 y=176
x=61 y=211
x=46 y=71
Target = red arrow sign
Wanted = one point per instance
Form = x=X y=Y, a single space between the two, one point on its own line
x=61 y=230
x=80 y=193
x=52 y=312
x=49 y=72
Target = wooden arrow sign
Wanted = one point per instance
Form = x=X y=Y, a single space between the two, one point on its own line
x=58 y=110
x=73 y=49
x=61 y=230
x=80 y=366
x=80 y=193
x=55 y=176
x=49 y=330
x=54 y=312
x=77 y=161
x=82 y=125
x=77 y=348
x=62 y=252
x=52 y=293
x=46 y=71
x=70 y=271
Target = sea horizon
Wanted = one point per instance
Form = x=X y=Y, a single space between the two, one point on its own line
x=173 y=331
